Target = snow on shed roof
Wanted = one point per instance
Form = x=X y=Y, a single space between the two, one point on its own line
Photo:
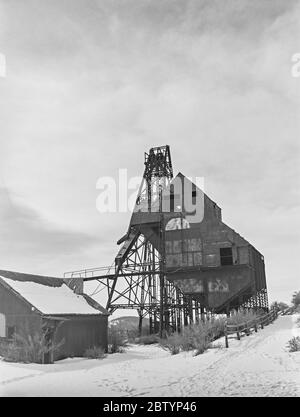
x=49 y=295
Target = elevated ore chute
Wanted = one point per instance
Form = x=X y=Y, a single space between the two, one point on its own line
x=179 y=262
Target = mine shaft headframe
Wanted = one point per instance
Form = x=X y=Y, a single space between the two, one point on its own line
x=158 y=163
x=157 y=175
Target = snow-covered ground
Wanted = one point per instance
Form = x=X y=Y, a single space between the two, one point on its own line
x=258 y=365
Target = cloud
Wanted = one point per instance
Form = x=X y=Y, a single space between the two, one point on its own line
x=26 y=236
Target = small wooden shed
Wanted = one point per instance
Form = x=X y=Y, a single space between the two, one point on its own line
x=33 y=304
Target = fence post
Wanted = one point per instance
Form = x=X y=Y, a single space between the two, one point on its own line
x=238 y=332
x=247 y=329
x=226 y=337
x=255 y=325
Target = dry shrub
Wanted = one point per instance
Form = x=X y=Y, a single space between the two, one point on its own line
x=215 y=328
x=173 y=343
x=28 y=348
x=196 y=337
x=95 y=352
x=294 y=344
x=149 y=339
x=117 y=341
x=243 y=316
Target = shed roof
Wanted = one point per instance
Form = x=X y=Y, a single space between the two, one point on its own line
x=50 y=295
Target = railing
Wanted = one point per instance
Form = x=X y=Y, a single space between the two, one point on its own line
x=91 y=272
x=287 y=311
x=247 y=326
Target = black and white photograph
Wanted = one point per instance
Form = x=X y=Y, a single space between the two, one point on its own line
x=149 y=201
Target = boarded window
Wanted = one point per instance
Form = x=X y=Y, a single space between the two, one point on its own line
x=186 y=252
x=243 y=254
x=2 y=325
x=11 y=330
x=211 y=260
x=172 y=198
x=194 y=197
x=226 y=256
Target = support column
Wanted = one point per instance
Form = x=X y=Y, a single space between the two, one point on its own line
x=140 y=322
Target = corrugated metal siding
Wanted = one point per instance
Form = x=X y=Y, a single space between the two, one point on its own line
x=80 y=333
x=257 y=261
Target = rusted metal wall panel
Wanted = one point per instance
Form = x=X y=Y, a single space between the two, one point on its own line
x=257 y=261
x=215 y=286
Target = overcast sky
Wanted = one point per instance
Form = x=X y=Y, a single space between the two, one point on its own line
x=92 y=84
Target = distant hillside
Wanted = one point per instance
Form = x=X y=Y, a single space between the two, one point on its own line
x=128 y=323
